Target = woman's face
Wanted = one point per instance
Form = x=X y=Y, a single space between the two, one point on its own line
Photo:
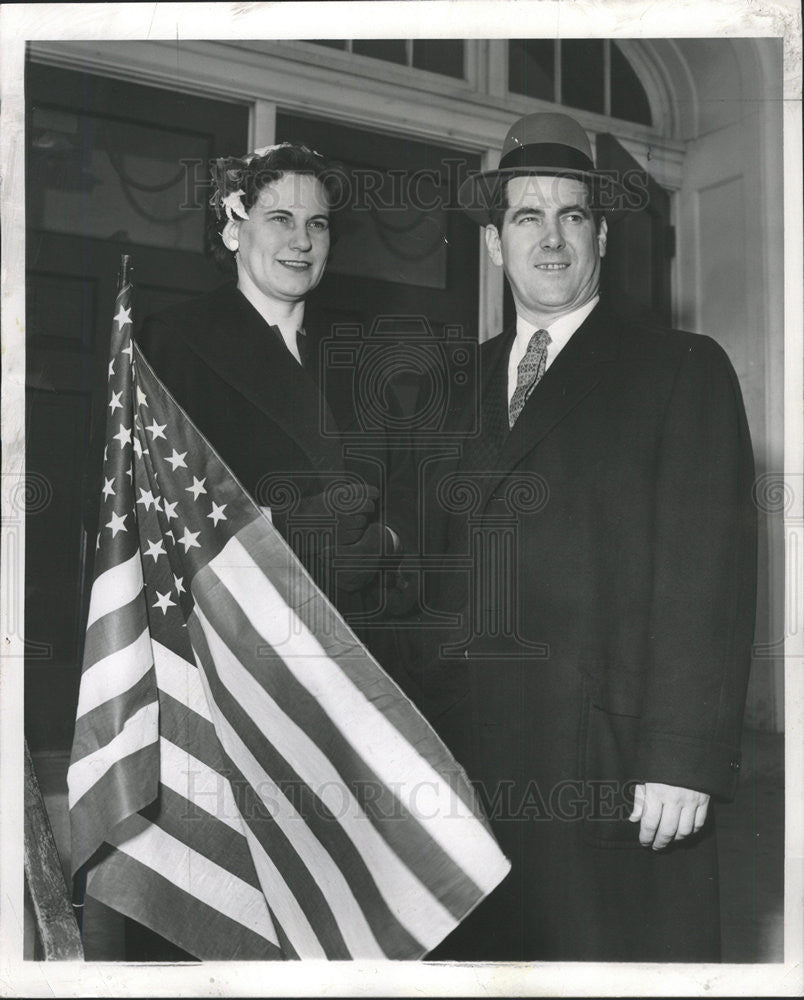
x=283 y=246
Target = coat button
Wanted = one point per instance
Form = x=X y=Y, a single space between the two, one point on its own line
x=734 y=765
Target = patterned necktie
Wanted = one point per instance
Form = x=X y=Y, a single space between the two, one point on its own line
x=529 y=370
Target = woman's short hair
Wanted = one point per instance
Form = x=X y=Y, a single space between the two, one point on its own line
x=250 y=174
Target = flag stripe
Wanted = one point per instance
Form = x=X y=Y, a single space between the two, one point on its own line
x=97 y=729
x=310 y=926
x=115 y=588
x=257 y=814
x=110 y=676
x=117 y=629
x=380 y=882
x=203 y=787
x=139 y=731
x=131 y=887
x=200 y=831
x=400 y=766
x=180 y=679
x=190 y=732
x=269 y=553
x=281 y=706
x=126 y=787
x=193 y=873
x=313 y=880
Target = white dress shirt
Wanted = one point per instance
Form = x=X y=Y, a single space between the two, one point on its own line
x=560 y=332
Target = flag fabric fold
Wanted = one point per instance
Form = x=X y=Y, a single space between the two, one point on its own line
x=245 y=778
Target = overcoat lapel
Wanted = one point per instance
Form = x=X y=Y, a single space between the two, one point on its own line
x=482 y=451
x=251 y=356
x=573 y=375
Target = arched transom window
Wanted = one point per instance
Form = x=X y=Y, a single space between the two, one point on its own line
x=592 y=74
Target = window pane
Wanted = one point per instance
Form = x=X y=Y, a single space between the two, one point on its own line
x=389 y=49
x=582 y=73
x=628 y=97
x=439 y=55
x=90 y=169
x=331 y=43
x=531 y=67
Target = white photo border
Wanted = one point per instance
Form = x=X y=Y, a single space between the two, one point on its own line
x=21 y=23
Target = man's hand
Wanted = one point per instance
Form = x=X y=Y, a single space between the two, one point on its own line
x=666 y=813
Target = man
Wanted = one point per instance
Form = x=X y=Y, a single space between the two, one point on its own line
x=594 y=683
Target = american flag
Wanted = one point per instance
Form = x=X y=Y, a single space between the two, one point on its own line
x=245 y=779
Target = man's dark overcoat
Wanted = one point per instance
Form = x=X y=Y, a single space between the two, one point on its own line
x=600 y=562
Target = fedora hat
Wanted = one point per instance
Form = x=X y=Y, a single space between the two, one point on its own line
x=545 y=143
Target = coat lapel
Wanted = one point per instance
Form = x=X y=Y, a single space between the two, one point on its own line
x=252 y=358
x=573 y=375
x=481 y=452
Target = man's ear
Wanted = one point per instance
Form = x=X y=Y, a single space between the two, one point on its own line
x=230 y=235
x=493 y=245
x=602 y=235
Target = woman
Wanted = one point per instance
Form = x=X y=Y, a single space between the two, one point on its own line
x=239 y=362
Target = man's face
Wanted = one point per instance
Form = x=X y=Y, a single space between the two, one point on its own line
x=549 y=246
x=283 y=246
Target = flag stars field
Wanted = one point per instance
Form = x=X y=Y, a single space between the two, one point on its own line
x=123 y=317
x=197 y=488
x=114 y=402
x=163 y=602
x=157 y=430
x=177 y=461
x=217 y=513
x=108 y=491
x=123 y=436
x=155 y=549
x=146 y=498
x=117 y=523
x=188 y=540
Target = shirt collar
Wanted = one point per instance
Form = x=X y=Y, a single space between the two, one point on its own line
x=560 y=330
x=286 y=330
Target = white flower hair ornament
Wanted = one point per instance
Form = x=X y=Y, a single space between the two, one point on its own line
x=233 y=204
